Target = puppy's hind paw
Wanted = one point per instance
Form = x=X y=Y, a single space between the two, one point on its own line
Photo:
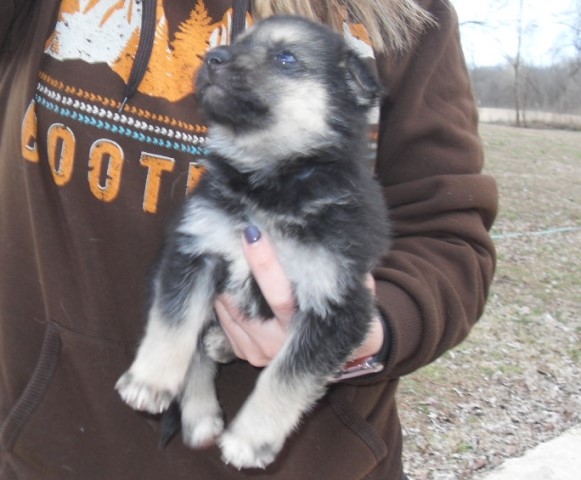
x=141 y=396
x=241 y=453
x=202 y=433
x=217 y=345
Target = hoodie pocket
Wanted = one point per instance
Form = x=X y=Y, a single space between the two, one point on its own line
x=70 y=423
x=35 y=389
x=334 y=442
x=352 y=419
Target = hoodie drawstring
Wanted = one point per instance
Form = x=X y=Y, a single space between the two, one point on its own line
x=240 y=9
x=147 y=37
x=144 y=48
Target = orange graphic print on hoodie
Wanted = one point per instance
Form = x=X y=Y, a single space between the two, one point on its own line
x=108 y=31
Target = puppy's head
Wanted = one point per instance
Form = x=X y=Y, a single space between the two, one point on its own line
x=286 y=88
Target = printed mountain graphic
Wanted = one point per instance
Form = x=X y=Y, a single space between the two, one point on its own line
x=107 y=31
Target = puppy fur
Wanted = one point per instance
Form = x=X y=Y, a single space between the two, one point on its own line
x=287 y=109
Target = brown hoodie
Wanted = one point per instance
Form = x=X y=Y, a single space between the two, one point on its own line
x=85 y=193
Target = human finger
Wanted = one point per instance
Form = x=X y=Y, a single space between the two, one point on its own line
x=269 y=274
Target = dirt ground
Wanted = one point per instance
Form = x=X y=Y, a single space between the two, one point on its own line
x=516 y=381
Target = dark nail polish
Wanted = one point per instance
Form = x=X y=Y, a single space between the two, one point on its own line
x=252 y=234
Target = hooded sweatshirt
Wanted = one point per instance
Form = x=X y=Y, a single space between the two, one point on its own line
x=100 y=141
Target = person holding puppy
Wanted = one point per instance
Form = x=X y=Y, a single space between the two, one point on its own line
x=99 y=139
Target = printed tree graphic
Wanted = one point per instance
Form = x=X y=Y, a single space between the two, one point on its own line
x=172 y=66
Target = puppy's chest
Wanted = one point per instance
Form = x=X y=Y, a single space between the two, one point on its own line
x=312 y=263
x=215 y=226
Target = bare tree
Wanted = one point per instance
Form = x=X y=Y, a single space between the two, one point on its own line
x=577 y=30
x=571 y=21
x=520 y=83
x=516 y=63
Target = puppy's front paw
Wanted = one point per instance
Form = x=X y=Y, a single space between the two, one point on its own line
x=142 y=396
x=246 y=452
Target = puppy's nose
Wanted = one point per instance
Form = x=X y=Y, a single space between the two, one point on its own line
x=218 y=56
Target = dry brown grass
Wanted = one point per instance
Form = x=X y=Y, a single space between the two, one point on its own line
x=517 y=380
x=531 y=118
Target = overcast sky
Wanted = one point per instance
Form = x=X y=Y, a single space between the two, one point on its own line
x=545 y=38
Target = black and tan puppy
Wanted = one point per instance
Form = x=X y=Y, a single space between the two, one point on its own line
x=287 y=109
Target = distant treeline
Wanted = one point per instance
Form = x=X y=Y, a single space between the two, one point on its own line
x=555 y=88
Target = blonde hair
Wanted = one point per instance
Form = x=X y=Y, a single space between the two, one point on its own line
x=392 y=25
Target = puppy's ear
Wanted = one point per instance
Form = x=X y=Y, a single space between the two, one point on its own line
x=362 y=81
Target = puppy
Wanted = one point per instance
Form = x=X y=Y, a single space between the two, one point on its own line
x=287 y=109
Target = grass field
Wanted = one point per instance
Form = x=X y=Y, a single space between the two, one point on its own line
x=517 y=380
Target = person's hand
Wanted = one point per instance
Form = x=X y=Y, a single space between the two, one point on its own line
x=258 y=341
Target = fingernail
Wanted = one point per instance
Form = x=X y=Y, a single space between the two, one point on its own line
x=252 y=234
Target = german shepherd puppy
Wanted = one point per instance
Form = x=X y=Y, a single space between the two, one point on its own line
x=287 y=107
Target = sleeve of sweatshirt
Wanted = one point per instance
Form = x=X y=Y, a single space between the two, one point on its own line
x=433 y=285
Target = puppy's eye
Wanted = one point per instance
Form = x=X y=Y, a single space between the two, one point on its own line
x=286 y=59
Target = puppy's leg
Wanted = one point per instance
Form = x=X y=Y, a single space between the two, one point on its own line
x=271 y=412
x=183 y=293
x=290 y=385
x=201 y=413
